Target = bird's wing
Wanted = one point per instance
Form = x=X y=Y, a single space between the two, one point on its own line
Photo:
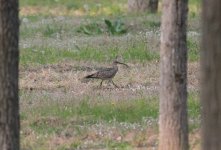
x=105 y=69
x=102 y=73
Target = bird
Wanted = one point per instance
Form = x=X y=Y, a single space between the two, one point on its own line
x=106 y=73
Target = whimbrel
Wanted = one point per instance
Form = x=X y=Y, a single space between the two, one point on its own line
x=107 y=73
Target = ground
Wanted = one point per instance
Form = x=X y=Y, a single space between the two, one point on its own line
x=62 y=43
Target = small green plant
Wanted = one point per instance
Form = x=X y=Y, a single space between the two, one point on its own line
x=152 y=24
x=90 y=29
x=117 y=145
x=50 y=30
x=76 y=144
x=115 y=28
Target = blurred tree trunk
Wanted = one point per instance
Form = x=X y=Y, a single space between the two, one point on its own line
x=9 y=106
x=153 y=6
x=143 y=6
x=173 y=76
x=211 y=75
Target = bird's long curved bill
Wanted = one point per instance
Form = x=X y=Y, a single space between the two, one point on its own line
x=122 y=63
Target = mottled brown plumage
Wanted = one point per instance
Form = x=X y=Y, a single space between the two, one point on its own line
x=107 y=73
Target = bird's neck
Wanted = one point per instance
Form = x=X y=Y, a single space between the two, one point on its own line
x=115 y=66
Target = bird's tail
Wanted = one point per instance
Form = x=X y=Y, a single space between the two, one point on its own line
x=90 y=76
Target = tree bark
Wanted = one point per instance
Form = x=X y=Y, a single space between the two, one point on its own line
x=173 y=124
x=211 y=75
x=143 y=6
x=9 y=57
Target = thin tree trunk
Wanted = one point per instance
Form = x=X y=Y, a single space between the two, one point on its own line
x=153 y=6
x=211 y=75
x=9 y=106
x=173 y=76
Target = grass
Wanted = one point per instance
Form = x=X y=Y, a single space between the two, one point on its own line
x=69 y=3
x=194 y=111
x=193 y=50
x=49 y=26
x=35 y=56
x=90 y=113
x=74 y=120
x=134 y=52
x=53 y=115
x=91 y=7
x=69 y=7
x=194 y=105
x=53 y=42
x=118 y=145
x=48 y=39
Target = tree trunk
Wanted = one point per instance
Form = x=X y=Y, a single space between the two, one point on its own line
x=143 y=6
x=211 y=75
x=173 y=76
x=9 y=106
x=153 y=6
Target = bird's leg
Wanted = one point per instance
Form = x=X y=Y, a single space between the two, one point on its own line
x=114 y=84
x=101 y=83
x=109 y=81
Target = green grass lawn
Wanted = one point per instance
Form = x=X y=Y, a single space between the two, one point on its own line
x=131 y=111
x=46 y=120
x=133 y=52
x=52 y=42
